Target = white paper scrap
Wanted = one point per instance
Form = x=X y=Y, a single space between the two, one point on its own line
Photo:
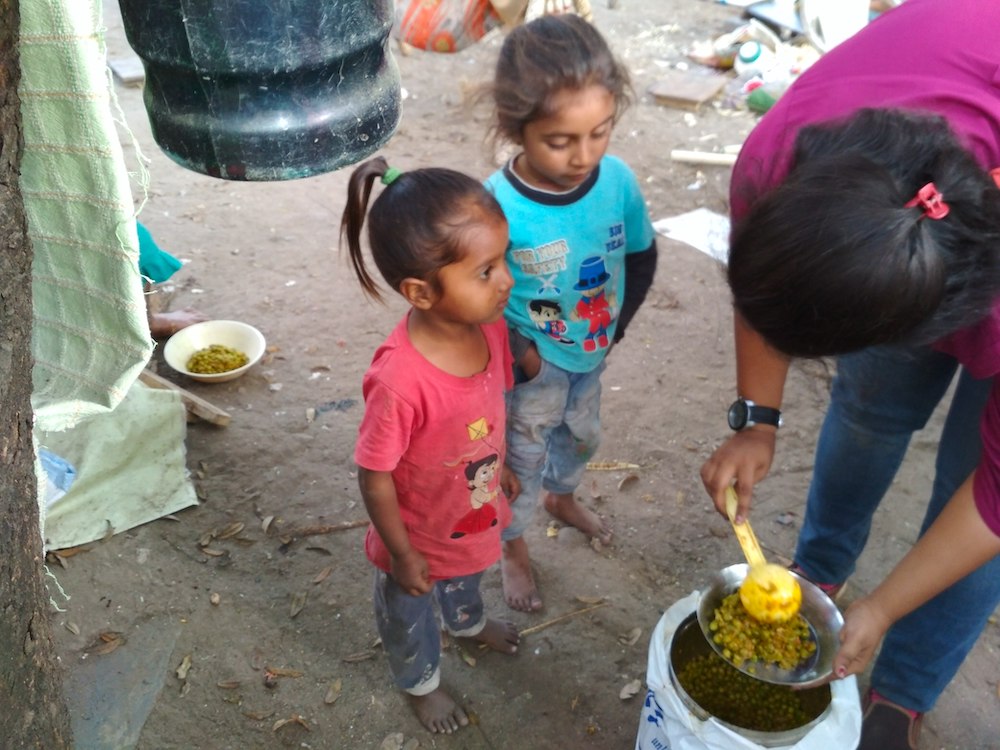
x=702 y=229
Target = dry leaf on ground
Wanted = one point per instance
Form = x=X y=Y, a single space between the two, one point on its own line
x=184 y=668
x=627 y=480
x=631 y=637
x=293 y=719
x=106 y=642
x=333 y=692
x=231 y=530
x=630 y=689
x=298 y=602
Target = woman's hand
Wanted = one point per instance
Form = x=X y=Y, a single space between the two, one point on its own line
x=410 y=571
x=745 y=459
x=864 y=627
x=958 y=542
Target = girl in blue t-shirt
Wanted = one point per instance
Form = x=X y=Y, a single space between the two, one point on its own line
x=582 y=254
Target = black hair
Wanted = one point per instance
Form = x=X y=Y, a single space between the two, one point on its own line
x=831 y=261
x=416 y=222
x=539 y=59
x=473 y=467
x=537 y=305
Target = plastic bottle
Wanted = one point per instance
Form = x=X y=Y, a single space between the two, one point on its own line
x=753 y=58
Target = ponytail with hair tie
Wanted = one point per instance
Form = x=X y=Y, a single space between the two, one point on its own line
x=932 y=201
x=390 y=175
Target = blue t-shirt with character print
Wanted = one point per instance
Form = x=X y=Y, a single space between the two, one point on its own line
x=567 y=255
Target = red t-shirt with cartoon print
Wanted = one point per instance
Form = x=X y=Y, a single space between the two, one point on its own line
x=443 y=439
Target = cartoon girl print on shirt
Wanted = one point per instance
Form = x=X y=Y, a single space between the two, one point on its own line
x=483 y=516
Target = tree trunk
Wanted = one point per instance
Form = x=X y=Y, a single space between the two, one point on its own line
x=32 y=711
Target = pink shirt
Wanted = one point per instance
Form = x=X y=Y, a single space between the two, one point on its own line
x=443 y=439
x=935 y=56
x=954 y=71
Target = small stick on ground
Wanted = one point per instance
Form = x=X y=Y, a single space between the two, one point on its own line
x=560 y=618
x=324 y=529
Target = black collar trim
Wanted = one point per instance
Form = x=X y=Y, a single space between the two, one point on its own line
x=544 y=196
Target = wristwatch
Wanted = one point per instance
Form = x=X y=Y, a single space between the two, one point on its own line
x=744 y=413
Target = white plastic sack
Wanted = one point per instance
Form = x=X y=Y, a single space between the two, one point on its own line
x=667 y=724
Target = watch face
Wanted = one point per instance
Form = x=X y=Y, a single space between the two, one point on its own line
x=738 y=414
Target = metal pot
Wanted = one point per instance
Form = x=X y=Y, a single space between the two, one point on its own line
x=689 y=643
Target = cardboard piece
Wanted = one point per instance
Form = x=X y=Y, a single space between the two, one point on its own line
x=128 y=70
x=686 y=89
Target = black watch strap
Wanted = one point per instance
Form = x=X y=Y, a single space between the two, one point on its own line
x=744 y=413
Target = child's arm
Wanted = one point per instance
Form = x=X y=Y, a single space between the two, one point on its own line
x=509 y=483
x=957 y=543
x=640 y=268
x=409 y=568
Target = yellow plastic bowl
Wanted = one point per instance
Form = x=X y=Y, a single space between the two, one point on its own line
x=232 y=333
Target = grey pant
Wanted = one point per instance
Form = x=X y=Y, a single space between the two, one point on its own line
x=410 y=629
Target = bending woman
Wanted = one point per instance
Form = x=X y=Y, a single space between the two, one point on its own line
x=866 y=225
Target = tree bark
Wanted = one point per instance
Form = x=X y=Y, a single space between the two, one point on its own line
x=33 y=713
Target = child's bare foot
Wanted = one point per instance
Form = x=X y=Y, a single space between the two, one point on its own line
x=572 y=512
x=499 y=635
x=518 y=583
x=438 y=712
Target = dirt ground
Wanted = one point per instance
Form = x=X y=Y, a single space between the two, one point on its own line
x=266 y=253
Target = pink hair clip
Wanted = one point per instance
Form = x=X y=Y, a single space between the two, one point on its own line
x=931 y=199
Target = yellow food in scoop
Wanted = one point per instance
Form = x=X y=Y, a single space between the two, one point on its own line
x=770 y=593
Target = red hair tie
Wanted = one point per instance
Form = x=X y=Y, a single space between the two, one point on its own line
x=932 y=201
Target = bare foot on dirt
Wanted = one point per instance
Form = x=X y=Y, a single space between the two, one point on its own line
x=499 y=635
x=163 y=325
x=518 y=583
x=572 y=512
x=438 y=712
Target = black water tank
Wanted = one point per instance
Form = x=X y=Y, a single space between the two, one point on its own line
x=266 y=89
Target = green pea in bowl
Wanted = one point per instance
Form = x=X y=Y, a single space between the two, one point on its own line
x=242 y=348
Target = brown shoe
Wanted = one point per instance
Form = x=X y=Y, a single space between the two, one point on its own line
x=887 y=725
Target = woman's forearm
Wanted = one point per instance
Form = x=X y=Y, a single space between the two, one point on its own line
x=956 y=544
x=760 y=369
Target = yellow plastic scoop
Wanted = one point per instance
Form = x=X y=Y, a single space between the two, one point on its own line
x=770 y=592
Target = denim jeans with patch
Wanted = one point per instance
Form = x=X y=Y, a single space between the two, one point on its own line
x=553 y=430
x=880 y=397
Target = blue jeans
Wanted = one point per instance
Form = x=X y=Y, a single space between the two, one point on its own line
x=553 y=429
x=411 y=633
x=880 y=397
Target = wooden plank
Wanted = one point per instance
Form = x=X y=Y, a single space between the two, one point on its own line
x=194 y=404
